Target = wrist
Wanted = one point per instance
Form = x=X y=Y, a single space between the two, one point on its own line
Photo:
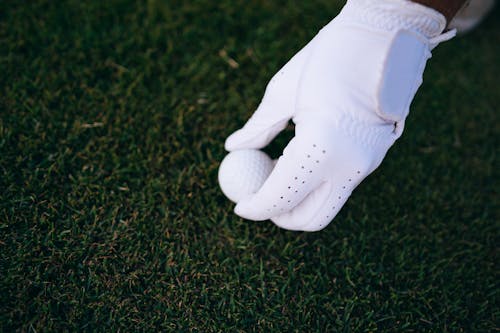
x=448 y=8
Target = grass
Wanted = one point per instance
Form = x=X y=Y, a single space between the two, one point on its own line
x=113 y=116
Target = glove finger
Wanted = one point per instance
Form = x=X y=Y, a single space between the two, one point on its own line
x=275 y=110
x=302 y=214
x=319 y=208
x=298 y=172
x=348 y=165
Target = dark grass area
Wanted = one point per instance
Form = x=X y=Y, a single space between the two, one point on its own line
x=112 y=121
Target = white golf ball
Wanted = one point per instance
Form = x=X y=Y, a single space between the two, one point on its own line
x=243 y=172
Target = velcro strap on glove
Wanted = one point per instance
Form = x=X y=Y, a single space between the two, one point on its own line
x=415 y=30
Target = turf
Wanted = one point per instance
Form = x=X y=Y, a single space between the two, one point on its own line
x=113 y=116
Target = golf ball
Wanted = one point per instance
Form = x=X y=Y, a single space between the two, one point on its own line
x=243 y=172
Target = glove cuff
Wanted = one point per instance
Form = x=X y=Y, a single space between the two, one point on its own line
x=395 y=15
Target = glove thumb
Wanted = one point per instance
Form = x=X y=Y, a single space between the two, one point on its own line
x=259 y=130
x=276 y=108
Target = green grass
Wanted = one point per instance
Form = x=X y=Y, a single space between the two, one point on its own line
x=113 y=116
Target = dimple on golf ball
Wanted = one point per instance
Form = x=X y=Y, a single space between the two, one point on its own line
x=243 y=172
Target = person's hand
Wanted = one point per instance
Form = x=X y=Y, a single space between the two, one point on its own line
x=348 y=92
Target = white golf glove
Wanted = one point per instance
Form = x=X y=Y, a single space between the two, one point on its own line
x=348 y=93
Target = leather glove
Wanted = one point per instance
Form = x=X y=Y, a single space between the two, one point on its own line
x=348 y=93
